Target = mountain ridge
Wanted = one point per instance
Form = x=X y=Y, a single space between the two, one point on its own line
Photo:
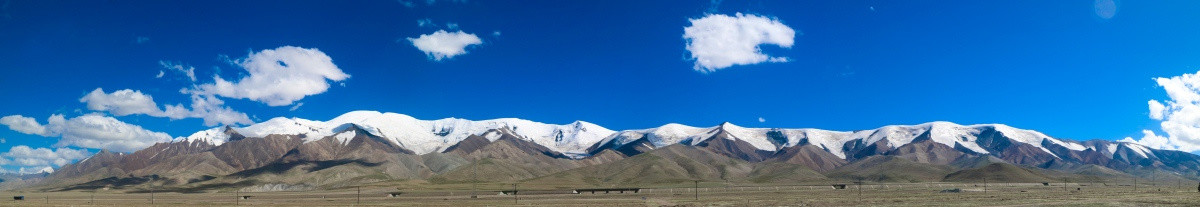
x=368 y=146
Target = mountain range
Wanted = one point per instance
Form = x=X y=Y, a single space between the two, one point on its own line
x=363 y=147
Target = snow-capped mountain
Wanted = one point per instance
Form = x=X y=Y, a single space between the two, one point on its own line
x=421 y=136
x=581 y=138
x=362 y=144
x=835 y=142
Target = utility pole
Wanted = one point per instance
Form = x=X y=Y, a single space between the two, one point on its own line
x=985 y=185
x=358 y=197
x=1135 y=184
x=515 y=193
x=93 y=200
x=151 y=195
x=859 y=184
x=237 y=197
x=696 y=188
x=474 y=177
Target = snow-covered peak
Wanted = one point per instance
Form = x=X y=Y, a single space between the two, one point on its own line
x=673 y=133
x=214 y=136
x=755 y=136
x=344 y=137
x=426 y=136
x=422 y=136
x=1142 y=151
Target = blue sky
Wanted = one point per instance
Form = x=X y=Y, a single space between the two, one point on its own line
x=1065 y=68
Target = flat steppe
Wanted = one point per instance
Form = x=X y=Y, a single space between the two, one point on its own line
x=710 y=194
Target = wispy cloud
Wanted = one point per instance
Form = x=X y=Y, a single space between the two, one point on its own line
x=188 y=71
x=297 y=106
x=408 y=4
x=426 y=22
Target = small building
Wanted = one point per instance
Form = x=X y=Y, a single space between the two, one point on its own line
x=507 y=192
x=1045 y=184
x=394 y=194
x=605 y=190
x=18 y=198
x=839 y=186
x=245 y=197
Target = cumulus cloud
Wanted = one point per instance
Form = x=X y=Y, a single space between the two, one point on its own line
x=26 y=156
x=719 y=41
x=129 y=102
x=1156 y=110
x=24 y=125
x=277 y=77
x=1149 y=139
x=121 y=102
x=213 y=111
x=761 y=120
x=96 y=132
x=444 y=45
x=1180 y=115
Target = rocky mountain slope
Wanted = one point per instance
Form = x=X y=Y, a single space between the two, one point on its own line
x=366 y=147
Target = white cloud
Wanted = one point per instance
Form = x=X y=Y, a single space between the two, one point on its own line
x=97 y=132
x=408 y=4
x=278 y=77
x=24 y=125
x=1149 y=139
x=451 y=25
x=160 y=74
x=719 y=41
x=761 y=120
x=22 y=155
x=188 y=71
x=129 y=102
x=142 y=40
x=121 y=102
x=444 y=45
x=102 y=132
x=36 y=170
x=496 y=33
x=1180 y=115
x=1156 y=110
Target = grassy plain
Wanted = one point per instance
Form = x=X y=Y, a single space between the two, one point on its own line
x=710 y=194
